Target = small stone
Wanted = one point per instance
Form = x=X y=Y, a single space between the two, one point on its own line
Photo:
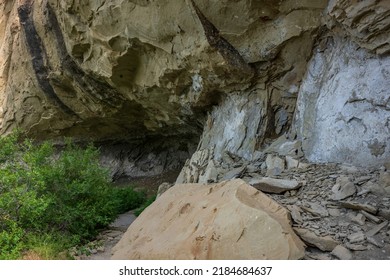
x=356 y=247
x=361 y=180
x=303 y=165
x=324 y=243
x=370 y=217
x=93 y=251
x=384 y=178
x=349 y=168
x=360 y=219
x=275 y=165
x=319 y=256
x=374 y=188
x=234 y=173
x=343 y=191
x=114 y=233
x=385 y=213
x=341 y=253
x=295 y=213
x=376 y=229
x=291 y=162
x=317 y=209
x=376 y=241
x=356 y=237
x=334 y=212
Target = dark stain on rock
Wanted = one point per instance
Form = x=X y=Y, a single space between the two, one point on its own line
x=185 y=208
x=38 y=56
x=98 y=90
x=228 y=52
x=377 y=148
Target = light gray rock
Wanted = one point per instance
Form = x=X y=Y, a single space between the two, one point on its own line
x=378 y=242
x=317 y=209
x=285 y=147
x=374 y=188
x=343 y=191
x=370 y=216
x=291 y=162
x=272 y=185
x=275 y=165
x=334 y=212
x=356 y=237
x=341 y=253
x=234 y=173
x=360 y=219
x=340 y=117
x=384 y=178
x=295 y=212
x=376 y=229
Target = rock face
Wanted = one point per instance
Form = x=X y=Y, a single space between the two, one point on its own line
x=341 y=116
x=228 y=71
x=229 y=220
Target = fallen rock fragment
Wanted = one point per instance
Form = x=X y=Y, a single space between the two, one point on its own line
x=341 y=253
x=385 y=213
x=356 y=247
x=376 y=229
x=343 y=191
x=234 y=173
x=370 y=217
x=271 y=185
x=376 y=241
x=275 y=165
x=324 y=243
x=295 y=212
x=359 y=206
x=316 y=209
x=216 y=221
x=356 y=237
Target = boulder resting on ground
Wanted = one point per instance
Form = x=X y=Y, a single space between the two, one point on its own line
x=228 y=220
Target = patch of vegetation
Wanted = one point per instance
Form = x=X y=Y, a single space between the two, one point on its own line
x=51 y=201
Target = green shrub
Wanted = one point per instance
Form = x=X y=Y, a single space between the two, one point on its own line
x=45 y=192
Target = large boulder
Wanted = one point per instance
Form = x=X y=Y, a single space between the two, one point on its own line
x=228 y=220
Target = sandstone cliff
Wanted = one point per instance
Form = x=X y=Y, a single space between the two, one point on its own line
x=237 y=73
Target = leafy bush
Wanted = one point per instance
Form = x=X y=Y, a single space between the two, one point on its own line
x=46 y=192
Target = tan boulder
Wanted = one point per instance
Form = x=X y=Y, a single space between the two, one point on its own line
x=228 y=220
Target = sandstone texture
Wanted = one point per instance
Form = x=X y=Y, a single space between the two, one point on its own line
x=229 y=220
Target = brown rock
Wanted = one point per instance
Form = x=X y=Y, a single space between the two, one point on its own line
x=229 y=220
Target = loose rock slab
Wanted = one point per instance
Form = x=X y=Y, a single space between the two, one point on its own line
x=228 y=220
x=271 y=185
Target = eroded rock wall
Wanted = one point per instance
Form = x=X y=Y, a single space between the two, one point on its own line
x=229 y=72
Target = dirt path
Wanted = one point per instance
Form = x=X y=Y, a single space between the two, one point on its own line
x=100 y=249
